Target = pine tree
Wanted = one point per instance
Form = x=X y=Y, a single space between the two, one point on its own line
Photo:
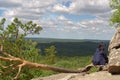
x=13 y=42
x=50 y=54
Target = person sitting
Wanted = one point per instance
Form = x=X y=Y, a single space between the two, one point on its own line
x=100 y=56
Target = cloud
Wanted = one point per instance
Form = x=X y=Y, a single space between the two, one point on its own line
x=9 y=4
x=62 y=18
x=69 y=25
x=83 y=7
x=59 y=24
x=27 y=9
x=30 y=14
x=98 y=25
x=60 y=8
x=66 y=22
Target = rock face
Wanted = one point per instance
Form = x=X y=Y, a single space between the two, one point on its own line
x=114 y=53
x=102 y=75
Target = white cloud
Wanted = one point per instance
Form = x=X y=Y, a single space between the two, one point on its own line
x=93 y=21
x=83 y=6
x=62 y=18
x=75 y=28
x=60 y=8
x=60 y=23
x=98 y=26
x=31 y=14
x=49 y=24
x=27 y=9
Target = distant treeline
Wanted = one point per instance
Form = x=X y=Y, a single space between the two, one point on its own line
x=72 y=47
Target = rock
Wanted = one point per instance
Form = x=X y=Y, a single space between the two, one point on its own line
x=102 y=75
x=114 y=53
x=62 y=76
x=115 y=41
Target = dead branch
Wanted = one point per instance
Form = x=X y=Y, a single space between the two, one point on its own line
x=41 y=66
x=19 y=70
x=3 y=66
x=1 y=48
x=24 y=63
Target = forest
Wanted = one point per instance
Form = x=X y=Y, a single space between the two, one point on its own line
x=69 y=47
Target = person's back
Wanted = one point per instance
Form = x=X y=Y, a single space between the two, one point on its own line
x=100 y=57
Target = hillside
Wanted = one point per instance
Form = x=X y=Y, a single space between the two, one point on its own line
x=69 y=47
x=50 y=40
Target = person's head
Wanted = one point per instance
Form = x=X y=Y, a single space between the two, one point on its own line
x=101 y=46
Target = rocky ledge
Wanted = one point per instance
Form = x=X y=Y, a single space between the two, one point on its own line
x=102 y=75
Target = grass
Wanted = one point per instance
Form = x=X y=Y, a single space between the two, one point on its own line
x=71 y=63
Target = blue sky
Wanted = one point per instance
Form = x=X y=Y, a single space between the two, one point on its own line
x=66 y=19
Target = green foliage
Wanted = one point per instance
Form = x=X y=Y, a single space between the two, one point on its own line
x=12 y=38
x=93 y=70
x=115 y=18
x=73 y=62
x=50 y=54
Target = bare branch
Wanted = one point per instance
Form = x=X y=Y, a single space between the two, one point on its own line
x=6 y=54
x=19 y=70
x=43 y=66
x=24 y=63
x=1 y=48
x=11 y=59
x=3 y=66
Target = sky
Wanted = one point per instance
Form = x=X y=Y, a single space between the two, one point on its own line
x=65 y=19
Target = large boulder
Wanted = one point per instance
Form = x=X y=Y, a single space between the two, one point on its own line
x=114 y=53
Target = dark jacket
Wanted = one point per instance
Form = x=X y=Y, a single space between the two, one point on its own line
x=100 y=58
